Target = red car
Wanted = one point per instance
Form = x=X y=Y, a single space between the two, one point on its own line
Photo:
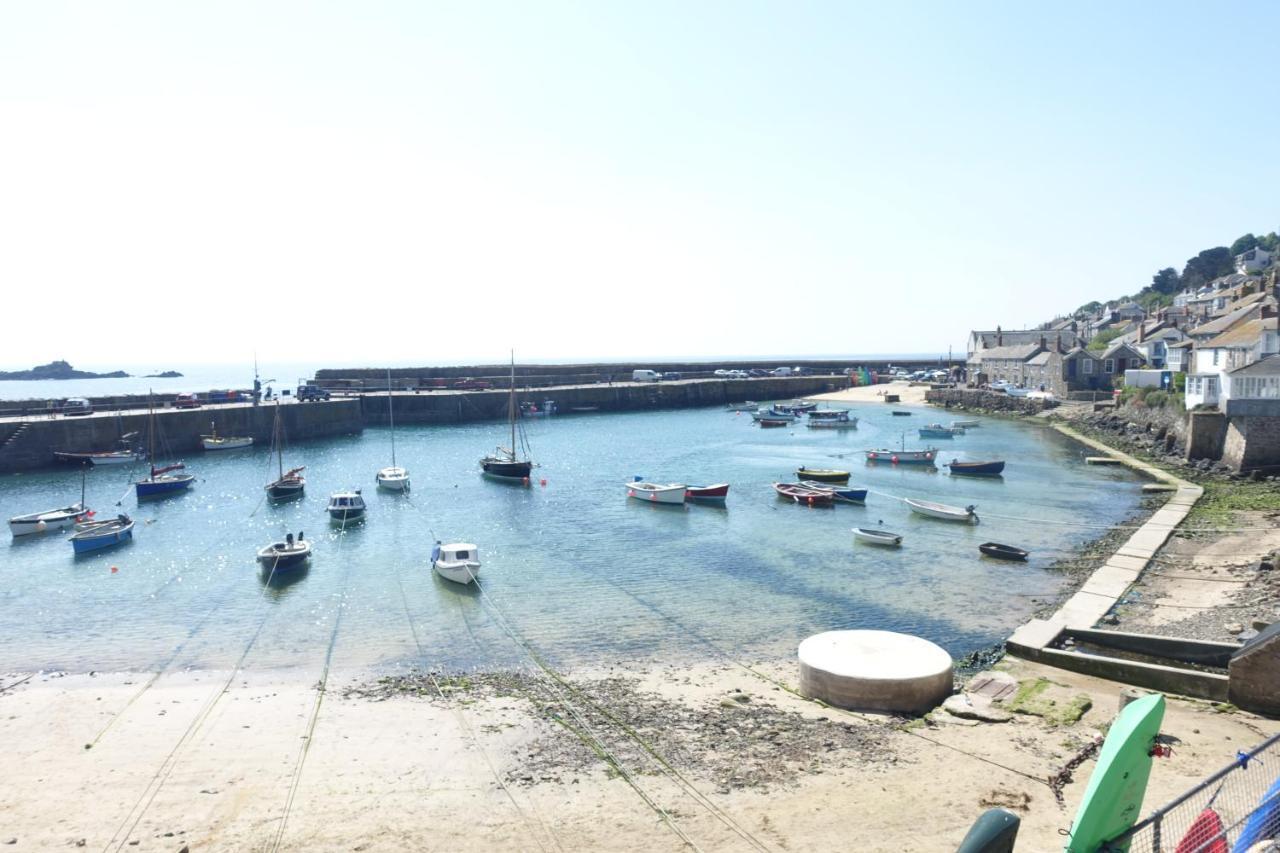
x=186 y=400
x=472 y=384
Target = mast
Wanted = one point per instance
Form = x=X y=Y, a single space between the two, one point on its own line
x=511 y=406
x=151 y=432
x=391 y=414
x=279 y=444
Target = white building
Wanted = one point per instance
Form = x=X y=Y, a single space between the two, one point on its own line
x=1253 y=260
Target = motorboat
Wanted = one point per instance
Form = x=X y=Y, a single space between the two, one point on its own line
x=774 y=415
x=841 y=495
x=346 y=506
x=288 y=484
x=977 y=469
x=965 y=424
x=49 y=520
x=824 y=475
x=942 y=511
x=393 y=478
x=285 y=555
x=803 y=494
x=832 y=419
x=877 y=537
x=717 y=493
x=505 y=462
x=103 y=535
x=748 y=406
x=661 y=493
x=939 y=431
x=1002 y=552
x=458 y=561
x=224 y=442
x=533 y=410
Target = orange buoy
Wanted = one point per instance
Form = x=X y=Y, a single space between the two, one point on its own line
x=543 y=482
x=894 y=459
x=524 y=480
x=114 y=569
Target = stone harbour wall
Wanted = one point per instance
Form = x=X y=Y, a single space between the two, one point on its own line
x=979 y=400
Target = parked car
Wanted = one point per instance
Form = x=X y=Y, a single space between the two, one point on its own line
x=470 y=384
x=186 y=400
x=74 y=407
x=672 y=375
x=758 y=371
x=310 y=392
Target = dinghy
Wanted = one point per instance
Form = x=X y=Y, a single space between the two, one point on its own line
x=658 y=493
x=876 y=537
x=1002 y=552
x=105 y=535
x=939 y=431
x=49 y=520
x=285 y=555
x=458 y=561
x=843 y=495
x=716 y=493
x=977 y=469
x=824 y=475
x=804 y=495
x=942 y=511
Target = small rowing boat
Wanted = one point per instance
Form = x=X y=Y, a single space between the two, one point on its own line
x=748 y=406
x=898 y=414
x=1002 y=552
x=105 y=535
x=877 y=537
x=770 y=422
x=285 y=555
x=942 y=511
x=658 y=493
x=716 y=493
x=842 y=495
x=824 y=475
x=939 y=431
x=977 y=469
x=803 y=494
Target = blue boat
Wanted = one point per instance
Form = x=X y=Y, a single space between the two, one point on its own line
x=161 y=482
x=103 y=534
x=838 y=493
x=939 y=431
x=977 y=469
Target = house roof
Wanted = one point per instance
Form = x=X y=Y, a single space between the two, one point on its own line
x=1040 y=359
x=1015 y=337
x=1240 y=336
x=1019 y=351
x=1220 y=325
x=1269 y=366
x=1187 y=343
x=1115 y=349
x=1077 y=351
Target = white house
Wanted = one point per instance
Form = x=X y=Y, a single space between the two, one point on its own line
x=1219 y=360
x=1253 y=260
x=1257 y=381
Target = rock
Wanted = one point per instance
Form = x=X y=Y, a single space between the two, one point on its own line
x=1111 y=619
x=967 y=706
x=1233 y=628
x=1259 y=624
x=1266 y=566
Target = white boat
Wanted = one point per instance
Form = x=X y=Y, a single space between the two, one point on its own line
x=946 y=513
x=659 y=493
x=393 y=478
x=285 y=555
x=1016 y=392
x=458 y=561
x=748 y=406
x=107 y=457
x=964 y=424
x=876 y=537
x=50 y=519
x=224 y=442
x=346 y=506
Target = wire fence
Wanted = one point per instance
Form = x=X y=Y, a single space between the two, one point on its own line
x=1235 y=810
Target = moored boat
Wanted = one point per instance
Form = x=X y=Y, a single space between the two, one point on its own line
x=774 y=414
x=977 y=469
x=533 y=410
x=803 y=494
x=966 y=424
x=1002 y=552
x=288 y=484
x=942 y=511
x=876 y=537
x=900 y=414
x=393 y=478
x=717 y=493
x=346 y=506
x=770 y=422
x=505 y=463
x=106 y=457
x=903 y=457
x=285 y=555
x=939 y=431
x=49 y=520
x=748 y=406
x=458 y=561
x=661 y=493
x=843 y=495
x=224 y=442
x=107 y=534
x=162 y=481
x=824 y=475
x=832 y=419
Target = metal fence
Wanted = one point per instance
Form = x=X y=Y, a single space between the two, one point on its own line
x=1235 y=809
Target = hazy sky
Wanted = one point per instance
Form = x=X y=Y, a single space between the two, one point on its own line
x=356 y=182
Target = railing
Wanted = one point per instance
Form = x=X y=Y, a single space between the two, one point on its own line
x=1235 y=808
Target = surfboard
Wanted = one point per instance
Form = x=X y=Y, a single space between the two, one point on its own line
x=1264 y=823
x=1205 y=835
x=1119 y=782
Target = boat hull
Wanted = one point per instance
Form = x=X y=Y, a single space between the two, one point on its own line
x=717 y=492
x=843 y=495
x=280 y=555
x=1002 y=552
x=393 y=479
x=462 y=571
x=290 y=487
x=823 y=475
x=672 y=493
x=342 y=516
x=49 y=520
x=226 y=443
x=804 y=495
x=877 y=537
x=977 y=469
x=506 y=469
x=903 y=457
x=102 y=537
x=164 y=485
x=115 y=457
x=941 y=511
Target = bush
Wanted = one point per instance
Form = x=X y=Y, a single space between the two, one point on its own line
x=1180 y=382
x=1156 y=399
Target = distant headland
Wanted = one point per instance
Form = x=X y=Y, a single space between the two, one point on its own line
x=63 y=370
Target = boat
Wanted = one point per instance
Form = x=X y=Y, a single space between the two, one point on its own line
x=660 y=493
x=768 y=422
x=533 y=410
x=832 y=419
x=505 y=463
x=458 y=561
x=1017 y=392
x=583 y=409
x=843 y=495
x=977 y=469
x=162 y=481
x=900 y=414
x=995 y=831
x=748 y=406
x=774 y=414
x=1002 y=552
x=939 y=431
x=797 y=407
x=102 y=535
x=393 y=478
x=965 y=424
x=825 y=475
x=803 y=494
x=50 y=519
x=904 y=456
x=288 y=484
x=106 y=457
x=876 y=537
x=943 y=511
x=717 y=493
x=224 y=442
x=346 y=506
x=285 y=555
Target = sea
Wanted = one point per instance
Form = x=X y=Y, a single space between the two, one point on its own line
x=572 y=569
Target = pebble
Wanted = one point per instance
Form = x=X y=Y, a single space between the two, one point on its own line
x=1233 y=628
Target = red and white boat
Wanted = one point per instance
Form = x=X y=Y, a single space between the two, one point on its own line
x=658 y=493
x=718 y=492
x=904 y=457
x=804 y=494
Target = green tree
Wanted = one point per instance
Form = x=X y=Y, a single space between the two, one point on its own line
x=1270 y=242
x=1100 y=340
x=1243 y=244
x=1208 y=265
x=1165 y=281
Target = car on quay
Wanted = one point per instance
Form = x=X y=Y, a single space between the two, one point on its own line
x=472 y=384
x=672 y=375
x=310 y=392
x=73 y=407
x=186 y=400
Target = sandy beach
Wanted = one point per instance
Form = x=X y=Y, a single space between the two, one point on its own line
x=911 y=394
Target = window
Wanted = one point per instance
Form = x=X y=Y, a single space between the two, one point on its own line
x=1109 y=366
x=1087 y=365
x=1215 y=357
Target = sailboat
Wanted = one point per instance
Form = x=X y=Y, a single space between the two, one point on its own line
x=392 y=478
x=289 y=483
x=161 y=481
x=504 y=463
x=51 y=519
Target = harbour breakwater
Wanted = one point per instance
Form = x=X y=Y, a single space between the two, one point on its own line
x=30 y=442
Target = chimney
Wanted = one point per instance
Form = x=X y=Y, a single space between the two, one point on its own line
x=999 y=337
x=1044 y=345
x=1142 y=331
x=1058 y=345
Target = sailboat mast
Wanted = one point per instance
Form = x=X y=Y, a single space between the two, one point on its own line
x=391 y=414
x=279 y=444
x=151 y=432
x=511 y=405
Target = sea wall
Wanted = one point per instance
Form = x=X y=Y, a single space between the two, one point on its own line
x=979 y=400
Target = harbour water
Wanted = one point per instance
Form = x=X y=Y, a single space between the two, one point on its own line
x=572 y=568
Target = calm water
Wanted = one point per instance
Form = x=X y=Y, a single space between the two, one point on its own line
x=583 y=574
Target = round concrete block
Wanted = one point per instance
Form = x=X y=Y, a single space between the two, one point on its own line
x=875 y=671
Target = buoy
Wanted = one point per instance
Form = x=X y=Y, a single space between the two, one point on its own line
x=115 y=569
x=524 y=480
x=894 y=459
x=543 y=482
x=40 y=526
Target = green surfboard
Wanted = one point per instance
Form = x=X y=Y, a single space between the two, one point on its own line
x=1114 y=797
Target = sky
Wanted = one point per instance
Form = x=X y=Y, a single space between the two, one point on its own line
x=366 y=183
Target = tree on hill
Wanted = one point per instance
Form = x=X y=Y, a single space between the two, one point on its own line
x=1100 y=340
x=1243 y=244
x=1270 y=242
x=1208 y=265
x=1165 y=281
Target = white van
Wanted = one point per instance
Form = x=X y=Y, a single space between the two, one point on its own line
x=645 y=376
x=782 y=371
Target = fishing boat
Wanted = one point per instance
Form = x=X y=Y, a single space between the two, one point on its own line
x=458 y=561
x=824 y=475
x=288 y=484
x=942 y=511
x=346 y=506
x=224 y=442
x=288 y=554
x=965 y=424
x=939 y=431
x=748 y=406
x=876 y=537
x=904 y=456
x=106 y=534
x=842 y=495
x=533 y=410
x=505 y=463
x=50 y=519
x=774 y=414
x=977 y=469
x=1002 y=552
x=772 y=422
x=716 y=493
x=162 y=481
x=393 y=478
x=106 y=457
x=660 y=493
x=900 y=414
x=832 y=419
x=803 y=494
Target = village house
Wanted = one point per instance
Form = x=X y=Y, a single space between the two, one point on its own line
x=1253 y=260
x=1242 y=344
